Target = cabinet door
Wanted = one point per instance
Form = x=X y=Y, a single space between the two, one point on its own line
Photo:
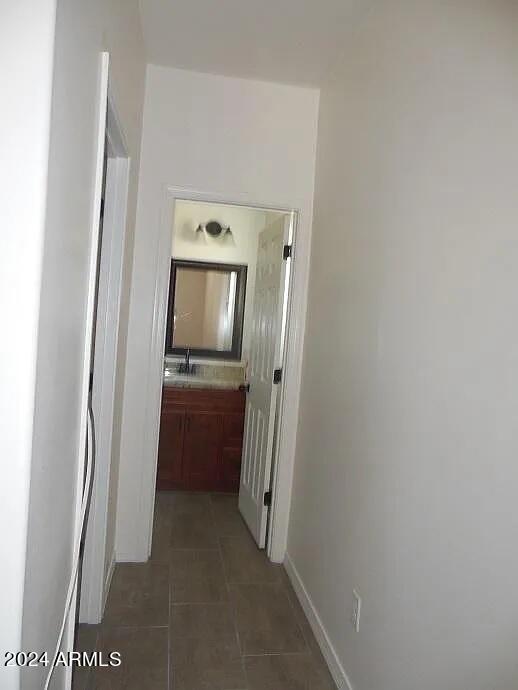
x=230 y=469
x=233 y=423
x=202 y=449
x=170 y=450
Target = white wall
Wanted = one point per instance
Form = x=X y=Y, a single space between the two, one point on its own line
x=26 y=52
x=83 y=30
x=237 y=140
x=240 y=248
x=407 y=475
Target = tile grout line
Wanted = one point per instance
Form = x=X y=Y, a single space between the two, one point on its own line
x=220 y=522
x=296 y=618
x=286 y=585
x=134 y=627
x=223 y=533
x=232 y=608
x=281 y=584
x=228 y=603
x=269 y=654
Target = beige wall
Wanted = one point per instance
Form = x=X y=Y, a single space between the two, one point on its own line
x=407 y=474
x=190 y=295
x=216 y=295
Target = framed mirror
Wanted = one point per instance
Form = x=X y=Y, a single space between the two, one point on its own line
x=206 y=309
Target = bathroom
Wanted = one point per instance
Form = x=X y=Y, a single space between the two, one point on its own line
x=228 y=292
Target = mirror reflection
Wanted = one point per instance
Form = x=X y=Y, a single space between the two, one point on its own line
x=206 y=304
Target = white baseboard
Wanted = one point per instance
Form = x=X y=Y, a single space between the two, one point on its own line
x=108 y=581
x=131 y=558
x=328 y=651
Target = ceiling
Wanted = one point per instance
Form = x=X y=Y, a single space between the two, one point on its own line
x=288 y=41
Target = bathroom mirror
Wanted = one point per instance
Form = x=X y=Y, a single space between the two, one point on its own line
x=206 y=309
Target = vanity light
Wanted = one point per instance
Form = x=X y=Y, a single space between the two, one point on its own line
x=214 y=229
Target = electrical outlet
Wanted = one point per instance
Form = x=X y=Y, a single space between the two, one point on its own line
x=356 y=612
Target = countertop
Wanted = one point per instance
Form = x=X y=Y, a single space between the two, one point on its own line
x=220 y=378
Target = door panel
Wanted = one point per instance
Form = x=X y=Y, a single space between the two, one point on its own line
x=170 y=450
x=265 y=356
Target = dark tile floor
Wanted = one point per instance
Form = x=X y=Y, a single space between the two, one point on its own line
x=207 y=612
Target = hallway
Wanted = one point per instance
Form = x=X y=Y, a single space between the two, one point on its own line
x=207 y=612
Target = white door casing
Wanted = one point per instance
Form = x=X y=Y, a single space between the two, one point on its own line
x=97 y=563
x=296 y=313
x=265 y=356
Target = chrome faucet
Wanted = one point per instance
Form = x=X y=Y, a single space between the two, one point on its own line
x=186 y=367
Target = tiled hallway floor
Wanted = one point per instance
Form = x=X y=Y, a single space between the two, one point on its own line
x=207 y=612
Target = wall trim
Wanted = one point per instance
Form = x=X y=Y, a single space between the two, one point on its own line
x=105 y=366
x=324 y=642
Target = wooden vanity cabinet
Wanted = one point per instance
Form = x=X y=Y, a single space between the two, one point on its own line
x=201 y=439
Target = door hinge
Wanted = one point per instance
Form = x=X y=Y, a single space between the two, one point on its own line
x=277 y=375
x=286 y=252
x=267 y=500
x=245 y=387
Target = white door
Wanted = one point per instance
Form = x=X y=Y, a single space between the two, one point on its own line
x=265 y=357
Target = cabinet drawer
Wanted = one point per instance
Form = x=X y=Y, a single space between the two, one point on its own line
x=204 y=399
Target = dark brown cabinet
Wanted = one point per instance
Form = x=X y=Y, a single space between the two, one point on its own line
x=201 y=439
x=171 y=446
x=201 y=448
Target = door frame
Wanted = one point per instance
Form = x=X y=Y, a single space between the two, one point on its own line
x=284 y=459
x=95 y=582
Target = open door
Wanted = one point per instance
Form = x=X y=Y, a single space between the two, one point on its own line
x=265 y=359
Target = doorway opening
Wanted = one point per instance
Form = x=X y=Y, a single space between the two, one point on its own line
x=227 y=319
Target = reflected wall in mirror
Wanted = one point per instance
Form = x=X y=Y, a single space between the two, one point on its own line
x=206 y=308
